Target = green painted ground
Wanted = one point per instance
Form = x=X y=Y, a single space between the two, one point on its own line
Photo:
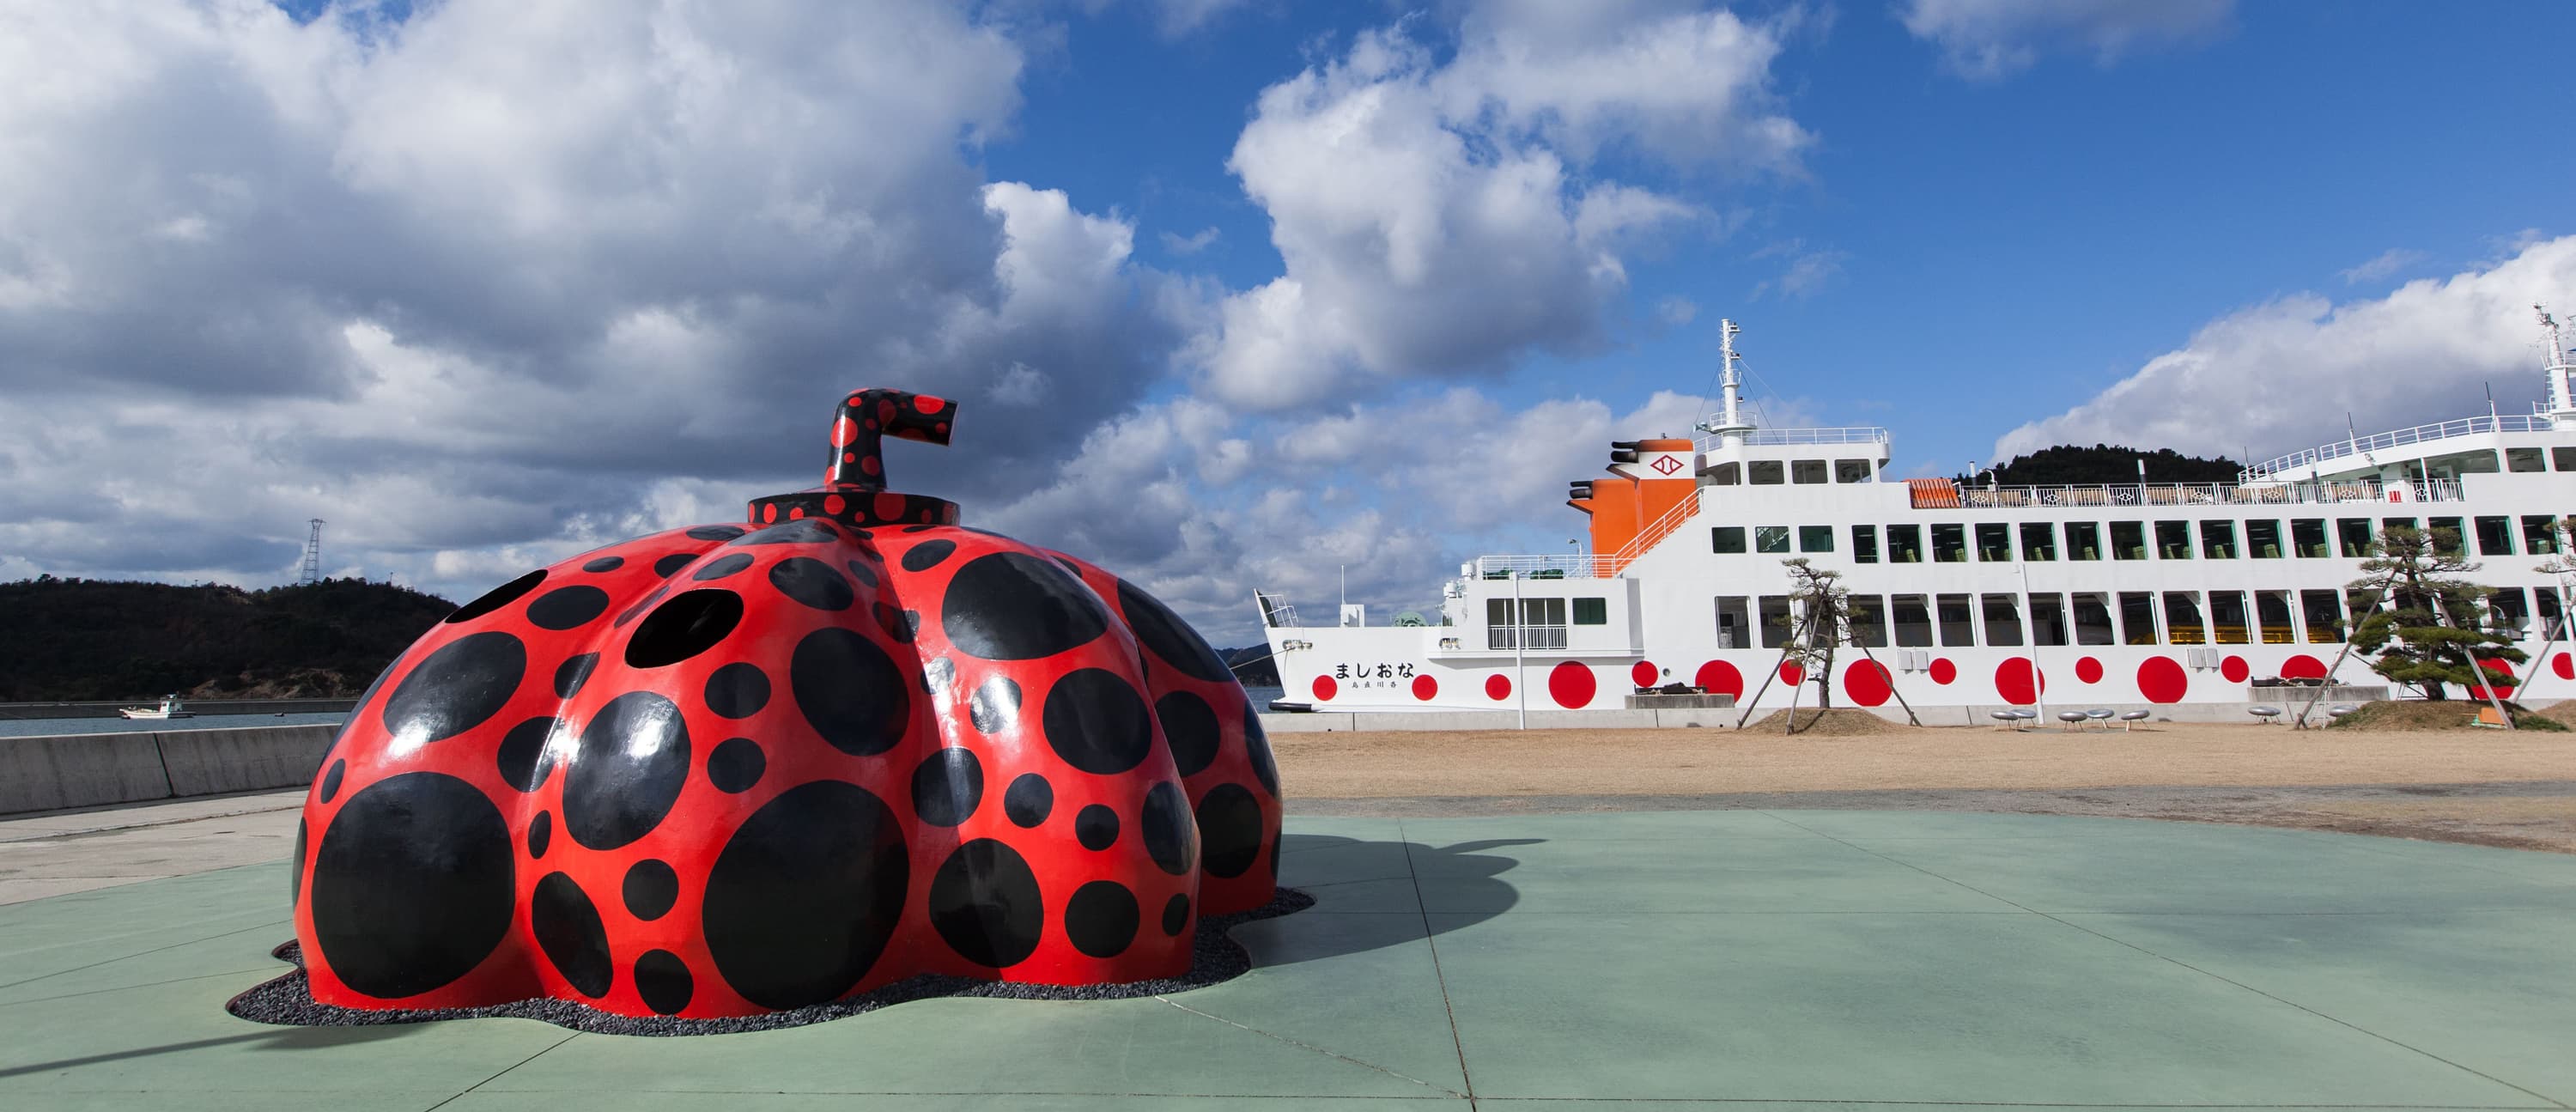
x=1551 y=962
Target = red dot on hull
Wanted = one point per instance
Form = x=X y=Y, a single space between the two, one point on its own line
x=2235 y=669
x=2013 y=681
x=1868 y=683
x=1498 y=686
x=1425 y=688
x=2161 y=680
x=1942 y=671
x=2088 y=670
x=1642 y=673
x=1325 y=688
x=1718 y=677
x=1571 y=685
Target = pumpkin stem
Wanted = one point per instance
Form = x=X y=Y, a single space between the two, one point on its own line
x=867 y=417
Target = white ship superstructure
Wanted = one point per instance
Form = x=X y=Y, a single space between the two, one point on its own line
x=2116 y=595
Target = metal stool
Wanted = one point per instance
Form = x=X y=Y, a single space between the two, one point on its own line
x=2130 y=719
x=2098 y=714
x=2266 y=712
x=2072 y=718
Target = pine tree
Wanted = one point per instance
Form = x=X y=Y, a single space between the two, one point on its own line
x=2427 y=635
x=1820 y=593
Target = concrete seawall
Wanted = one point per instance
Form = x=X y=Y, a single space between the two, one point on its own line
x=90 y=770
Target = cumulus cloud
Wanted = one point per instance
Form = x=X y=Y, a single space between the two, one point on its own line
x=2385 y=264
x=1190 y=244
x=1445 y=217
x=498 y=282
x=1991 y=39
x=2279 y=376
x=1805 y=271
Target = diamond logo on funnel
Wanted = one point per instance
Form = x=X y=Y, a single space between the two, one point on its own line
x=1667 y=465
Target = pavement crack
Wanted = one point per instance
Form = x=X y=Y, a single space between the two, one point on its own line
x=568 y=1037
x=1303 y=1045
x=1430 y=939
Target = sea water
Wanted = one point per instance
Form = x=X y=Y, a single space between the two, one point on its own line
x=46 y=727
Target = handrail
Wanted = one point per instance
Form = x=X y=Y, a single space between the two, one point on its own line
x=2198 y=494
x=1656 y=530
x=2438 y=430
x=1851 y=434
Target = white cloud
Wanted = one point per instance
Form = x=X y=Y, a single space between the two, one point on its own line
x=1806 y=271
x=2383 y=265
x=1440 y=218
x=1991 y=39
x=1190 y=244
x=2279 y=376
x=1175 y=18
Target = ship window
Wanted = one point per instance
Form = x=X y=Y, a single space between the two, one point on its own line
x=1958 y=629
x=1732 y=631
x=2227 y=617
x=2324 y=613
x=1905 y=544
x=1851 y=471
x=1815 y=538
x=2138 y=617
x=2263 y=540
x=2129 y=540
x=2173 y=540
x=2308 y=537
x=2218 y=540
x=1591 y=611
x=2540 y=534
x=2182 y=618
x=1543 y=622
x=1864 y=544
x=1949 y=544
x=2038 y=540
x=1764 y=472
x=2451 y=525
x=1868 y=621
x=1775 y=621
x=2388 y=523
x=1498 y=623
x=2354 y=534
x=2495 y=536
x=1994 y=541
x=2563 y=459
x=2003 y=621
x=1806 y=472
x=2466 y=463
x=2047 y=620
x=2272 y=609
x=1726 y=540
x=1913 y=622
x=2523 y=459
x=2508 y=612
x=2360 y=604
x=2093 y=620
x=2549 y=614
x=2084 y=541
x=1770 y=538
x=1726 y=474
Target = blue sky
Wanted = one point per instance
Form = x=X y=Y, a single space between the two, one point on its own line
x=1237 y=292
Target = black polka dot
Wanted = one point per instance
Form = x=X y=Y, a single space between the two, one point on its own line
x=627 y=771
x=1029 y=801
x=722 y=567
x=1229 y=830
x=715 y=532
x=1171 y=638
x=947 y=787
x=1096 y=827
x=691 y=623
x=605 y=563
x=996 y=705
x=522 y=755
x=806 y=895
x=663 y=980
x=541 y=833
x=1256 y=741
x=919 y=528
x=937 y=673
x=927 y=555
x=641 y=605
x=736 y=765
x=670 y=565
x=985 y=902
x=1101 y=918
x=572 y=673
x=1189 y=726
x=295 y=876
x=807 y=530
x=331 y=780
x=737 y=690
x=1013 y=606
x=811 y=582
x=867 y=576
x=413 y=885
x=901 y=625
x=1096 y=721
x=567 y=607
x=569 y=930
x=651 y=887
x=850 y=691
x=459 y=687
x=1176 y=915
x=497 y=597
x=1167 y=828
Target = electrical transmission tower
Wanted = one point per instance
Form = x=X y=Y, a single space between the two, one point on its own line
x=312 y=554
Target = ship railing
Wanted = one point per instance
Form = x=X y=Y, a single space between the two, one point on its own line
x=2201 y=494
x=1567 y=566
x=2438 y=430
x=1858 y=434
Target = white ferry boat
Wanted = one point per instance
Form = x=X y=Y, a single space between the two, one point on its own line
x=2167 y=597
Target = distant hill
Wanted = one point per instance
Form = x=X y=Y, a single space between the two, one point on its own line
x=2068 y=464
x=1252 y=665
x=77 y=639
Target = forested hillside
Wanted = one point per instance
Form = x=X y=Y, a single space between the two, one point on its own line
x=76 y=639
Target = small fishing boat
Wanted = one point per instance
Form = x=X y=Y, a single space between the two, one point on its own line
x=170 y=708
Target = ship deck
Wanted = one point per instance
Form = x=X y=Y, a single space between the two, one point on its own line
x=1739 y=957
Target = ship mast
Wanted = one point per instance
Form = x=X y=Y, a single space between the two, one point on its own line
x=2561 y=391
x=1732 y=424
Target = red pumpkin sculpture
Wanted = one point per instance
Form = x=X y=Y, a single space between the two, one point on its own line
x=724 y=770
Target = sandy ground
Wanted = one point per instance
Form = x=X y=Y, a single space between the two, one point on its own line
x=2482 y=786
